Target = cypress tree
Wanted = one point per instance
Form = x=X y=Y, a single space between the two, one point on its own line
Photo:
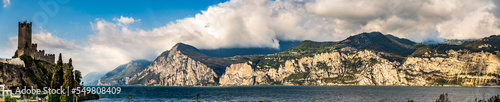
x=57 y=79
x=69 y=80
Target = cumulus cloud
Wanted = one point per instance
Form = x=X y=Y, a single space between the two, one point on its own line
x=496 y=10
x=6 y=3
x=418 y=20
x=263 y=23
x=45 y=39
x=126 y=20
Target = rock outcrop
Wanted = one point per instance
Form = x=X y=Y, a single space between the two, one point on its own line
x=11 y=76
x=370 y=68
x=36 y=74
x=173 y=68
x=363 y=59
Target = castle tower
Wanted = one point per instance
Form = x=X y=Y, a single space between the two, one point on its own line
x=26 y=47
x=23 y=39
x=24 y=35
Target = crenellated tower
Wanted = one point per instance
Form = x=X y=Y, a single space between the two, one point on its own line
x=26 y=47
x=24 y=37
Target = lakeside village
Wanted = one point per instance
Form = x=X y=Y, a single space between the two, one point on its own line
x=35 y=76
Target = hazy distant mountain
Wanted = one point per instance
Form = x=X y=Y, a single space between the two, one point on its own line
x=92 y=78
x=488 y=44
x=457 y=41
x=230 y=52
x=120 y=74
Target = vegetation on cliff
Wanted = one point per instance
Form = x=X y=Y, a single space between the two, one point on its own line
x=363 y=59
x=489 y=44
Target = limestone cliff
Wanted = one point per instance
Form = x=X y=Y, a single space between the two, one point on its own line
x=36 y=74
x=370 y=68
x=174 y=68
x=11 y=76
x=363 y=59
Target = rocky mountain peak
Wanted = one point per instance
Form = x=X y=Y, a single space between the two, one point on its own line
x=379 y=42
x=187 y=50
x=364 y=39
x=180 y=66
x=181 y=46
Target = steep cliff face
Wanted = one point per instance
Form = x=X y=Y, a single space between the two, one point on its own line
x=460 y=67
x=11 y=75
x=370 y=68
x=36 y=74
x=243 y=74
x=322 y=69
x=173 y=68
x=363 y=59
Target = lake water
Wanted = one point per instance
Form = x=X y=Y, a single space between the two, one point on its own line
x=298 y=93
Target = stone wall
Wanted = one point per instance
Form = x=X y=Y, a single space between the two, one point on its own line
x=40 y=55
x=25 y=47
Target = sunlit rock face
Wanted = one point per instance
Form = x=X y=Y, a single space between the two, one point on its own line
x=363 y=59
x=173 y=68
x=369 y=68
x=333 y=68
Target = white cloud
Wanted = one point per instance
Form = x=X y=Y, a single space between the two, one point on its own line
x=418 y=20
x=262 y=23
x=6 y=3
x=45 y=39
x=126 y=20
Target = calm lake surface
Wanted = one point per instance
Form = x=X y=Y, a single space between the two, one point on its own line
x=298 y=93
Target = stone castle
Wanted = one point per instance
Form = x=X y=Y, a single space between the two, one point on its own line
x=25 y=47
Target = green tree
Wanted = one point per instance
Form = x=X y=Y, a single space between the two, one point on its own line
x=69 y=81
x=78 y=77
x=57 y=79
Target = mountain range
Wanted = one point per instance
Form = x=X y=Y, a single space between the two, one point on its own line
x=120 y=75
x=362 y=59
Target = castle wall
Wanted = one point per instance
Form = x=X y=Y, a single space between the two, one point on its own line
x=25 y=47
x=40 y=55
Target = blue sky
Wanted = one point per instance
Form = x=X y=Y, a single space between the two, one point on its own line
x=100 y=35
x=72 y=21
